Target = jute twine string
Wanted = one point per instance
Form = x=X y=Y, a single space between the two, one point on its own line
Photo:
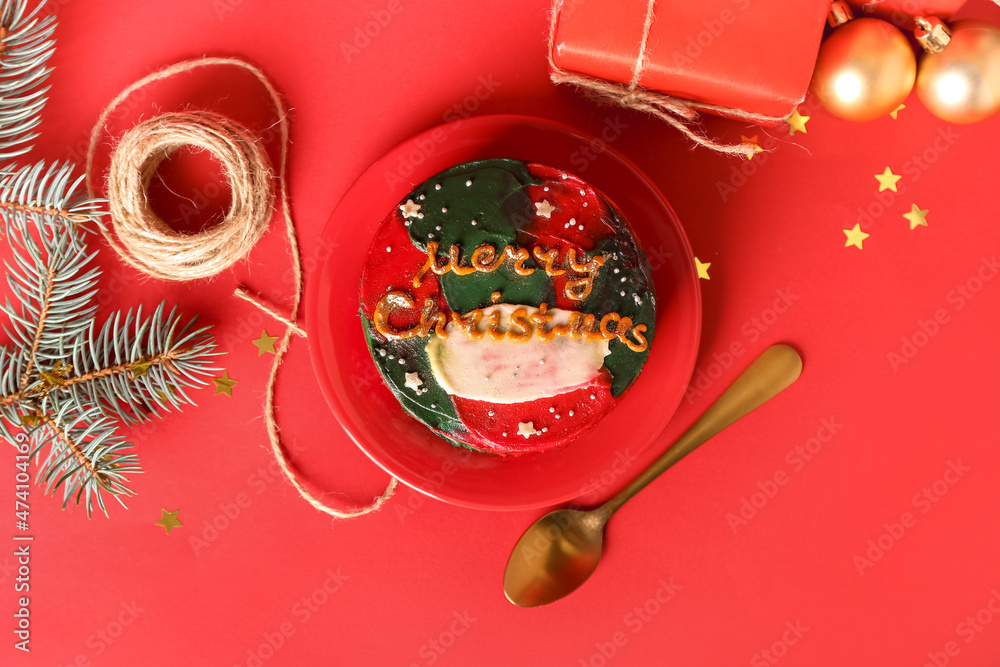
x=148 y=244
x=677 y=112
x=153 y=246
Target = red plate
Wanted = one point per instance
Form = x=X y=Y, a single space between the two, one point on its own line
x=407 y=449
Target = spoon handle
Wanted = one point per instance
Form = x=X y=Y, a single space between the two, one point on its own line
x=776 y=368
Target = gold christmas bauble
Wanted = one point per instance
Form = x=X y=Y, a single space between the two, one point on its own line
x=865 y=69
x=961 y=84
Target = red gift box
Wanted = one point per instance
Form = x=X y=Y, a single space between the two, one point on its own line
x=746 y=59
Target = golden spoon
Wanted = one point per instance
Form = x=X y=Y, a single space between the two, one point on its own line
x=562 y=549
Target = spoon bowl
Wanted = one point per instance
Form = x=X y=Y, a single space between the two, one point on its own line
x=554 y=557
x=562 y=549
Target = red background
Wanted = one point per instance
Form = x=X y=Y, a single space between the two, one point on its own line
x=412 y=567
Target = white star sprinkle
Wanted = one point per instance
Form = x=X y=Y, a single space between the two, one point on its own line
x=543 y=209
x=526 y=429
x=410 y=209
x=413 y=381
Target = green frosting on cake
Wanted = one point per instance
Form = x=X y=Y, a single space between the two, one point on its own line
x=638 y=303
x=434 y=406
x=495 y=200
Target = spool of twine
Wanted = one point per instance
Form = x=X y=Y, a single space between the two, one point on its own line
x=147 y=243
x=154 y=246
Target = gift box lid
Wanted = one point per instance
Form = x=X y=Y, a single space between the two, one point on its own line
x=752 y=55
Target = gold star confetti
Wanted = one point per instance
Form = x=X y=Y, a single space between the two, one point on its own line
x=797 y=123
x=224 y=385
x=410 y=209
x=31 y=419
x=265 y=343
x=702 y=268
x=887 y=180
x=895 y=112
x=543 y=209
x=526 y=429
x=855 y=237
x=413 y=381
x=163 y=395
x=917 y=216
x=141 y=368
x=57 y=376
x=169 y=520
x=751 y=141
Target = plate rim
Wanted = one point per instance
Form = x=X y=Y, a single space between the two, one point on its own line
x=312 y=293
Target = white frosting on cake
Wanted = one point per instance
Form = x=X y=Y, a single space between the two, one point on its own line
x=509 y=371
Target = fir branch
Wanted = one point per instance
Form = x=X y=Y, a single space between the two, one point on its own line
x=60 y=434
x=65 y=383
x=50 y=192
x=45 y=210
x=132 y=369
x=138 y=365
x=85 y=456
x=40 y=327
x=10 y=374
x=50 y=274
x=26 y=45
